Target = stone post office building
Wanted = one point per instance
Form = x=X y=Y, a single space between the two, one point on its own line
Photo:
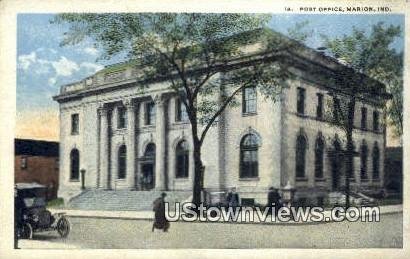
x=127 y=139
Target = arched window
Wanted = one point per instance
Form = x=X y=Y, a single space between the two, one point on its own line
x=363 y=161
x=122 y=162
x=249 y=156
x=376 y=162
x=301 y=145
x=150 y=151
x=319 y=152
x=182 y=160
x=74 y=164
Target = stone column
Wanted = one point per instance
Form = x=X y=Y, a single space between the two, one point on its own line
x=160 y=133
x=130 y=143
x=104 y=148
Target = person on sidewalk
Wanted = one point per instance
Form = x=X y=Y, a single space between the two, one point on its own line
x=274 y=200
x=160 y=220
x=232 y=198
x=18 y=216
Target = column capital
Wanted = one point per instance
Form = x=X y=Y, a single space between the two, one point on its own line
x=102 y=110
x=128 y=103
x=158 y=99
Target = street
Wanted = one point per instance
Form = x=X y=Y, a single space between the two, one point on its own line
x=119 y=233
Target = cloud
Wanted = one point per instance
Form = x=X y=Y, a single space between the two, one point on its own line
x=91 y=51
x=64 y=66
x=93 y=67
x=24 y=61
x=52 y=81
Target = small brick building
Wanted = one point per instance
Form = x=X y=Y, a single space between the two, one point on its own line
x=37 y=161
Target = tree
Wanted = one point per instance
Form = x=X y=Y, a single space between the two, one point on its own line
x=201 y=55
x=373 y=55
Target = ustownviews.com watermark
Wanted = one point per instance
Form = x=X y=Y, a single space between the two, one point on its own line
x=190 y=212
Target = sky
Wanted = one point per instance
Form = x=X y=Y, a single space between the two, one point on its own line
x=43 y=65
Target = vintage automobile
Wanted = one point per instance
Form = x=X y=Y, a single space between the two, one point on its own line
x=35 y=217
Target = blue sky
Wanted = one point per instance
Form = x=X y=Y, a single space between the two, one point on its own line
x=43 y=66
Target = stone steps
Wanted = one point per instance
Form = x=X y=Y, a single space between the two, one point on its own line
x=355 y=199
x=124 y=200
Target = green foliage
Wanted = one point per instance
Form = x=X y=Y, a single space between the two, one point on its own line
x=373 y=55
x=192 y=51
x=299 y=33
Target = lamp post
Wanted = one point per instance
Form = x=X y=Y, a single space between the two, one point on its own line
x=82 y=171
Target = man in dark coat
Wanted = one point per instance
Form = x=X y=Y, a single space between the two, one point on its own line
x=232 y=198
x=274 y=198
x=160 y=220
x=18 y=215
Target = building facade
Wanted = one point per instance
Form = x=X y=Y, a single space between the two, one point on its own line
x=37 y=161
x=125 y=138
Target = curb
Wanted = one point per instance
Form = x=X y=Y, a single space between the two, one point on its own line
x=89 y=214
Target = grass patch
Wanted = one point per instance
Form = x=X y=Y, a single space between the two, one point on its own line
x=59 y=202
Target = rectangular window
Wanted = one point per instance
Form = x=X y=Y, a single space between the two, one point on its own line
x=301 y=100
x=181 y=113
x=74 y=123
x=375 y=120
x=23 y=163
x=364 y=118
x=57 y=164
x=249 y=100
x=122 y=117
x=319 y=108
x=150 y=113
x=336 y=109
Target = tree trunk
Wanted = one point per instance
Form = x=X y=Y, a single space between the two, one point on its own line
x=198 y=168
x=350 y=148
x=198 y=175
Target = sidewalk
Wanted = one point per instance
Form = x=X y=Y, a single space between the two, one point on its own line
x=44 y=244
x=149 y=215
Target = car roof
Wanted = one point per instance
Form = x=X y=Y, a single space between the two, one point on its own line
x=34 y=185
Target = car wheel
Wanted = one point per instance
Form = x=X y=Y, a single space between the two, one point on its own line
x=27 y=231
x=63 y=227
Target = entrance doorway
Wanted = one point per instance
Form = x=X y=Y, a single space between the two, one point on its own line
x=147 y=179
x=148 y=168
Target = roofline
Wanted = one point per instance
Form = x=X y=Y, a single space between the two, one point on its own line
x=79 y=93
x=36 y=140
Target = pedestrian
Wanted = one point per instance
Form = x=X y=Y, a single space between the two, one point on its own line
x=160 y=220
x=274 y=200
x=18 y=216
x=233 y=198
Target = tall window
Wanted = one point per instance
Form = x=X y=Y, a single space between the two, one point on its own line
x=300 y=108
x=364 y=118
x=363 y=161
x=150 y=113
x=376 y=162
x=301 y=145
x=336 y=108
x=249 y=100
x=319 y=108
x=74 y=165
x=122 y=117
x=375 y=120
x=182 y=160
x=74 y=123
x=150 y=151
x=122 y=162
x=319 y=152
x=181 y=113
x=23 y=162
x=249 y=156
